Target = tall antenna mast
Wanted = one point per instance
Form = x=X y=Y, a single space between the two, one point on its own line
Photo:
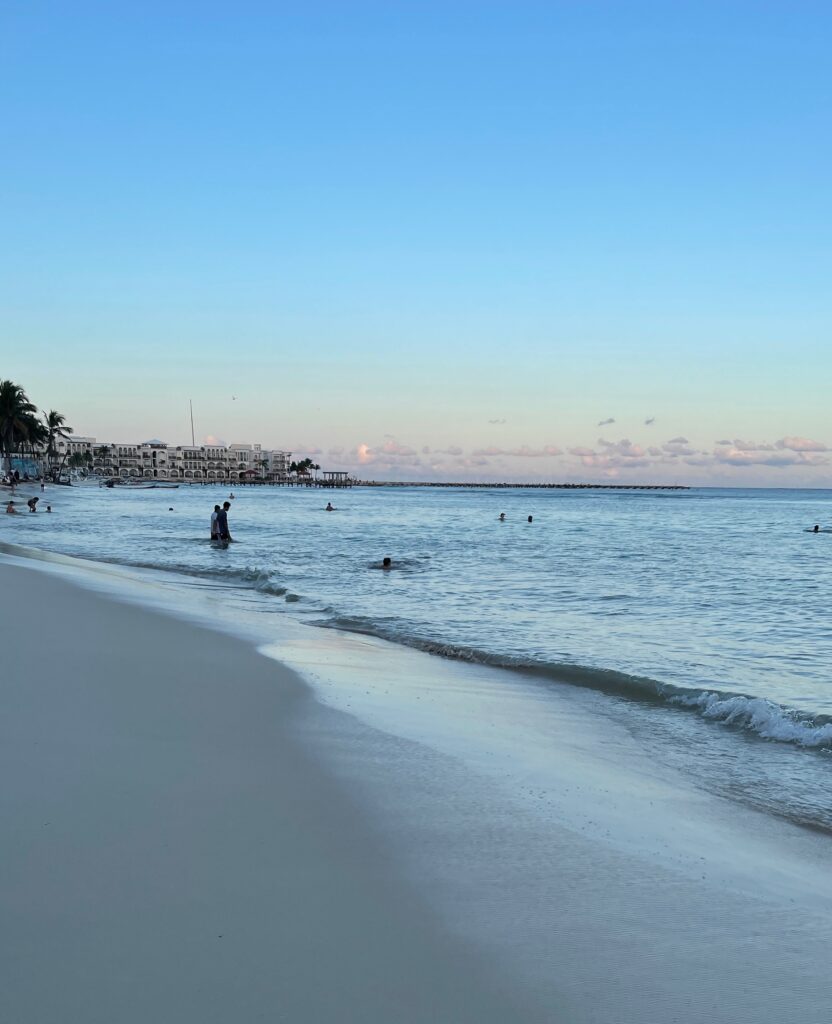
x=190 y=402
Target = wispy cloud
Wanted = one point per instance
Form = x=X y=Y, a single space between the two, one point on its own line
x=498 y=421
x=650 y=421
x=523 y=452
x=606 y=423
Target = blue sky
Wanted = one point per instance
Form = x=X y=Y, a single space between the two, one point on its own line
x=475 y=228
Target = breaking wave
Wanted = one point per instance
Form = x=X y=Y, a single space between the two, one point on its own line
x=764 y=718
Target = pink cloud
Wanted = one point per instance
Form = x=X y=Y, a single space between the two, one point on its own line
x=767 y=457
x=623 y=448
x=801 y=444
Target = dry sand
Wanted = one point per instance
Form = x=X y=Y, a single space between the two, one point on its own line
x=169 y=852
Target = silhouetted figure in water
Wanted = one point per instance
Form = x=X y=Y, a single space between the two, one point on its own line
x=502 y=517
x=222 y=523
x=816 y=529
x=530 y=518
x=387 y=563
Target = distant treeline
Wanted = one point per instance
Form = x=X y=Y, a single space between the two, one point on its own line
x=541 y=487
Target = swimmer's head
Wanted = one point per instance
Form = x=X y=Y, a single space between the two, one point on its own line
x=386 y=562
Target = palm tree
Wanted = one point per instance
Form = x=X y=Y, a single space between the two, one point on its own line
x=55 y=427
x=77 y=460
x=17 y=420
x=101 y=454
x=36 y=435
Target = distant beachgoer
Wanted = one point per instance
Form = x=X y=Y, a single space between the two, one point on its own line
x=214 y=527
x=42 y=486
x=10 y=509
x=816 y=529
x=387 y=562
x=530 y=518
x=329 y=507
x=170 y=509
x=222 y=523
x=48 y=508
x=231 y=496
x=33 y=504
x=502 y=517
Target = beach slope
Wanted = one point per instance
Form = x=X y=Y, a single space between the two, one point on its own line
x=170 y=852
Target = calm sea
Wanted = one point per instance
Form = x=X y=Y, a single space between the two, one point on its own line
x=703 y=614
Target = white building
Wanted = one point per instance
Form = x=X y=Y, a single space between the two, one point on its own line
x=156 y=460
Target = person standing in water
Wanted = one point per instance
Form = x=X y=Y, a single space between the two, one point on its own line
x=214 y=527
x=222 y=523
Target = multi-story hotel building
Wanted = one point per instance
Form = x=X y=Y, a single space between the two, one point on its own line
x=156 y=460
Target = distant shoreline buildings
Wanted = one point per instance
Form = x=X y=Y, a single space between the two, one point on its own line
x=155 y=460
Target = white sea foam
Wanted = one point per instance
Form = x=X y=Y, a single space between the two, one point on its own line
x=764 y=717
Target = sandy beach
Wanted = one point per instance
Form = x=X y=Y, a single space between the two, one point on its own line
x=195 y=834
x=171 y=853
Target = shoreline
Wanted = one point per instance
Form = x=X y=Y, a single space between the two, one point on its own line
x=586 y=848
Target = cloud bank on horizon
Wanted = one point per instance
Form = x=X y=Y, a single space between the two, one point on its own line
x=676 y=460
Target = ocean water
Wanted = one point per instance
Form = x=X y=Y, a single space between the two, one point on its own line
x=701 y=615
